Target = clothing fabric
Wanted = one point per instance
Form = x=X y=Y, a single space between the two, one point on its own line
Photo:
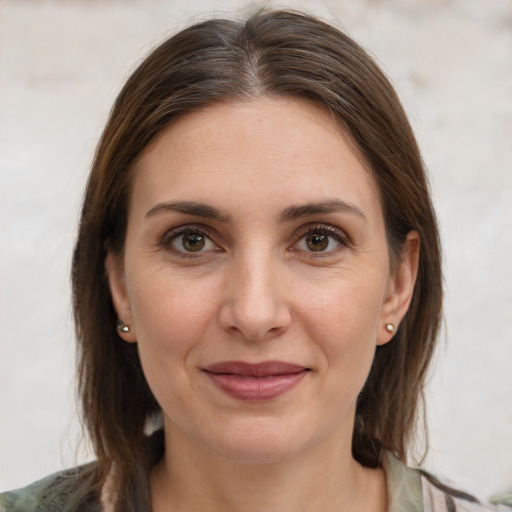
x=65 y=491
x=504 y=498
x=409 y=490
x=415 y=490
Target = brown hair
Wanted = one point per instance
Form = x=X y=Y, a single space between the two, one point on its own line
x=272 y=53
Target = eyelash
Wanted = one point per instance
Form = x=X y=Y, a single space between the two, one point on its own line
x=311 y=229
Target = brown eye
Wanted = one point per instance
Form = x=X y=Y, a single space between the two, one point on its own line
x=322 y=239
x=193 y=242
x=317 y=242
x=189 y=241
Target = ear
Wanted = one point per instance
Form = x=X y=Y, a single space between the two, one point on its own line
x=400 y=289
x=119 y=294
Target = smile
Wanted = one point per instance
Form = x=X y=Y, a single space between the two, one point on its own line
x=255 y=382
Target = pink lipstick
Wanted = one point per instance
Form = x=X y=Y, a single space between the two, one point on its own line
x=260 y=381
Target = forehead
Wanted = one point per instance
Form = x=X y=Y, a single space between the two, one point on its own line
x=266 y=150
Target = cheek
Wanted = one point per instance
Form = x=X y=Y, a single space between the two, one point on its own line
x=170 y=316
x=344 y=319
x=171 y=319
x=344 y=305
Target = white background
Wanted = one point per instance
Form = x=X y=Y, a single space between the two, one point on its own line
x=61 y=65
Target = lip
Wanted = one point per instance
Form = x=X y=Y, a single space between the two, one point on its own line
x=255 y=381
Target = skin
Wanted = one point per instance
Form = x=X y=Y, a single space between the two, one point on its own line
x=257 y=291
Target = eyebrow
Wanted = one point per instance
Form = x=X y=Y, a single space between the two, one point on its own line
x=190 y=208
x=322 y=207
x=290 y=213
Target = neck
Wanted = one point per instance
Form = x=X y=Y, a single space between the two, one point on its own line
x=325 y=478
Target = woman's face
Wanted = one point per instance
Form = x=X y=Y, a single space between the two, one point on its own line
x=256 y=278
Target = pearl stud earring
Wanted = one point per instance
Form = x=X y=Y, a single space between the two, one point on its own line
x=122 y=327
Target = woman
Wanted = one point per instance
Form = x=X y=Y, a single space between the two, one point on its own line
x=257 y=283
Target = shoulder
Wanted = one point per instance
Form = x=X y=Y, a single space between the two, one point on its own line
x=415 y=490
x=66 y=491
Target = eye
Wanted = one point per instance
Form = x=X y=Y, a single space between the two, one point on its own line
x=321 y=239
x=188 y=241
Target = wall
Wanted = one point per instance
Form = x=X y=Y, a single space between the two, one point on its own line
x=61 y=65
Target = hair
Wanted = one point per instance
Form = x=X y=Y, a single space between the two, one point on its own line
x=270 y=54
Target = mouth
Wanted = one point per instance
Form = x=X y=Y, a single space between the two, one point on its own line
x=255 y=382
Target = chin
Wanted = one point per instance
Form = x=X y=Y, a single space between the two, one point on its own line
x=260 y=445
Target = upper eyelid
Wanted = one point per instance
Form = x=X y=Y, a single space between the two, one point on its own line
x=310 y=226
x=187 y=228
x=321 y=226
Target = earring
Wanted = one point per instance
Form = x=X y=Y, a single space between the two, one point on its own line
x=390 y=328
x=122 y=327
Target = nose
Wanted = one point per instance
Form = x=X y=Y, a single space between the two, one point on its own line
x=255 y=306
